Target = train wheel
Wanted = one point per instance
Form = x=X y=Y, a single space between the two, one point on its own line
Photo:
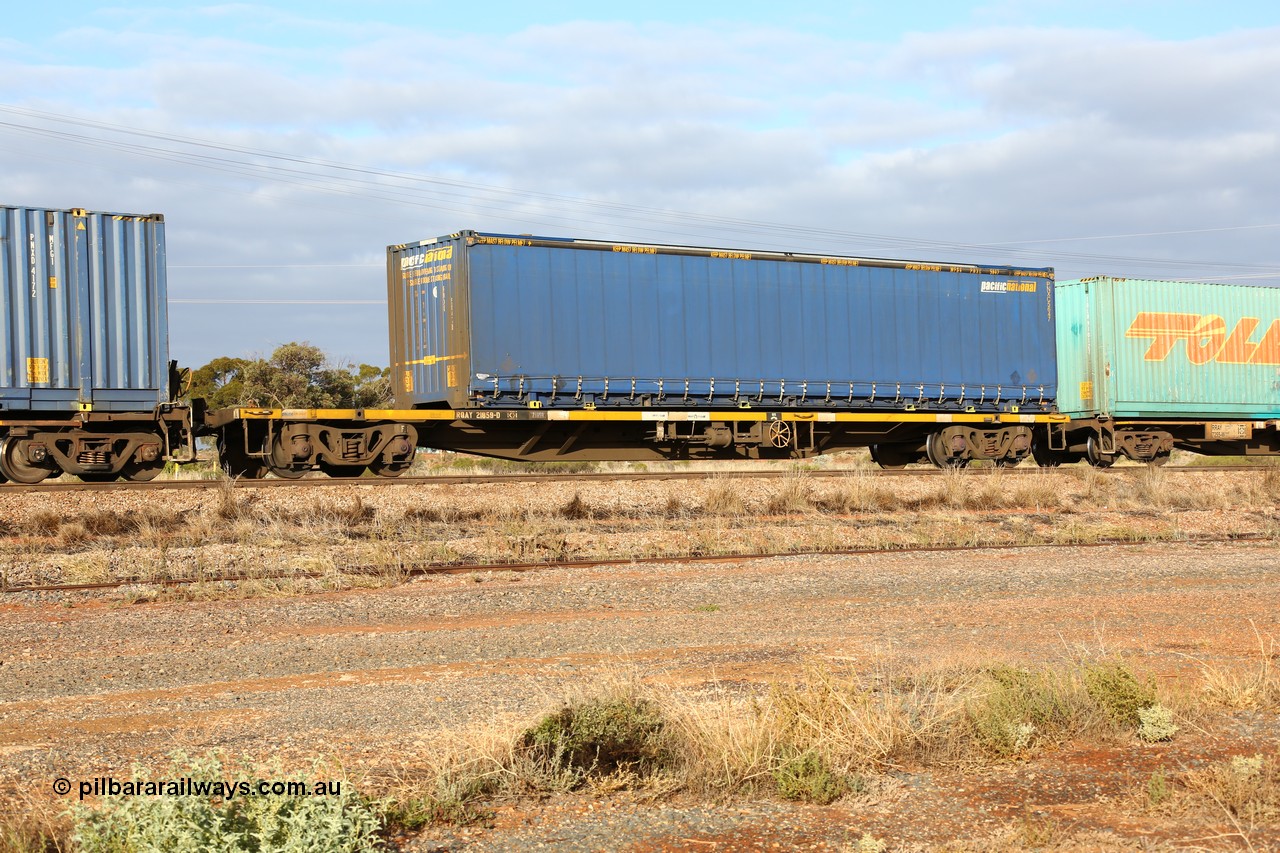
x=142 y=472
x=1160 y=460
x=389 y=469
x=341 y=470
x=382 y=468
x=891 y=456
x=235 y=461
x=936 y=448
x=1047 y=458
x=15 y=465
x=1095 y=457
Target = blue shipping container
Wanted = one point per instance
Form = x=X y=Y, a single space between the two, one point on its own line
x=505 y=321
x=84 y=323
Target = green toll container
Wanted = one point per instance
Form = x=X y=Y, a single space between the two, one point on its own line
x=1131 y=348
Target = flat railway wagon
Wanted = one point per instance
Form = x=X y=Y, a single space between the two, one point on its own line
x=86 y=385
x=1147 y=366
x=536 y=348
x=550 y=348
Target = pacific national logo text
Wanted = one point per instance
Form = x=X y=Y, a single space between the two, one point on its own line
x=1207 y=337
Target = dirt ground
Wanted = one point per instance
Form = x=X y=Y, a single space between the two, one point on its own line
x=91 y=684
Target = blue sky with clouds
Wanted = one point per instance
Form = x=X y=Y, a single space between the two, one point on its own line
x=289 y=143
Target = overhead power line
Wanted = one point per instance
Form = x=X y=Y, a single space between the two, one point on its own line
x=553 y=209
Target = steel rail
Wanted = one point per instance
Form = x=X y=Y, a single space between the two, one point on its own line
x=469 y=479
x=689 y=559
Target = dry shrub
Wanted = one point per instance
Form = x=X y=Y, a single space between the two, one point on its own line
x=1037 y=491
x=576 y=509
x=450 y=783
x=34 y=824
x=106 y=522
x=723 y=498
x=439 y=515
x=232 y=504
x=1270 y=484
x=729 y=744
x=43 y=522
x=793 y=496
x=862 y=491
x=1245 y=787
x=349 y=514
x=72 y=533
x=1257 y=686
x=953 y=489
x=1152 y=487
x=858 y=724
x=674 y=507
x=1020 y=710
x=1098 y=489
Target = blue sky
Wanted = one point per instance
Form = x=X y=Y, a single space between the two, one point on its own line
x=289 y=143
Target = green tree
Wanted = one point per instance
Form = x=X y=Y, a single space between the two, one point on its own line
x=219 y=382
x=297 y=375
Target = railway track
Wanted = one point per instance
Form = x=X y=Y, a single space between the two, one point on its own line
x=625 y=476
x=691 y=559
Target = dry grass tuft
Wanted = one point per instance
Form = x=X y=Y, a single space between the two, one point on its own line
x=1246 y=787
x=1039 y=491
x=1019 y=711
x=34 y=824
x=794 y=496
x=576 y=509
x=446 y=514
x=859 y=492
x=867 y=723
x=724 y=498
x=450 y=784
x=1257 y=686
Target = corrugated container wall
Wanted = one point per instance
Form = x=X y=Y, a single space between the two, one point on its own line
x=1133 y=348
x=512 y=321
x=85 y=320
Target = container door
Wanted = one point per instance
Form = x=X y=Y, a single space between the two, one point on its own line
x=77 y=285
x=428 y=319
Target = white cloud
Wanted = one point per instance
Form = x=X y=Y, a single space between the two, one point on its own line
x=973 y=136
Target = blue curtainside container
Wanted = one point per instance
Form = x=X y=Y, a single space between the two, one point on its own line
x=506 y=321
x=1152 y=349
x=85 y=323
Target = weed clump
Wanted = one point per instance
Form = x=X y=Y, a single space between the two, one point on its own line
x=809 y=778
x=576 y=509
x=1118 y=691
x=341 y=821
x=1021 y=709
x=724 y=499
x=598 y=737
x=1247 y=787
x=1156 y=724
x=793 y=496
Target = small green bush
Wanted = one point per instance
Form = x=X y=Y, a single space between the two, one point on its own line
x=342 y=823
x=598 y=737
x=1156 y=724
x=453 y=801
x=1118 y=691
x=807 y=777
x=1157 y=788
x=1020 y=709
